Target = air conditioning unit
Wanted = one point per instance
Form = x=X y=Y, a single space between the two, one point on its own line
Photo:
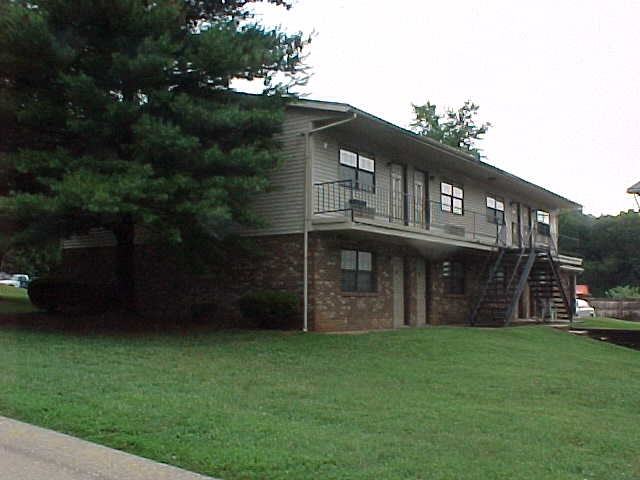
x=454 y=230
x=360 y=208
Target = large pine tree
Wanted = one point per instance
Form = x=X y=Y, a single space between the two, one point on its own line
x=119 y=113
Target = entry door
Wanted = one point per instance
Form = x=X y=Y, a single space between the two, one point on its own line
x=397 y=193
x=419 y=199
x=397 y=265
x=527 y=226
x=516 y=225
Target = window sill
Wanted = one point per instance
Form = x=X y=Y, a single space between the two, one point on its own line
x=359 y=294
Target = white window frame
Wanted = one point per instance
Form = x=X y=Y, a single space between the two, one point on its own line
x=543 y=219
x=359 y=163
x=452 y=198
x=495 y=204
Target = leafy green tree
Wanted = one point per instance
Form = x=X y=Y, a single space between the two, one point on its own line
x=624 y=291
x=34 y=261
x=609 y=246
x=120 y=115
x=456 y=128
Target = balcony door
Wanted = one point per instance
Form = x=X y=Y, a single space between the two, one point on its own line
x=516 y=225
x=396 y=195
x=528 y=225
x=419 y=203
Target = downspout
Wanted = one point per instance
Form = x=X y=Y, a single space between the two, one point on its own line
x=308 y=205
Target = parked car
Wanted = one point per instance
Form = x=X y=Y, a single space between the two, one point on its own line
x=583 y=309
x=18 y=280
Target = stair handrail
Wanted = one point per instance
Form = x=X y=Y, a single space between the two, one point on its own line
x=485 y=288
x=523 y=249
x=556 y=275
x=553 y=247
x=520 y=288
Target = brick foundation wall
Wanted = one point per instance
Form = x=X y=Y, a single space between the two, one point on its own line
x=165 y=289
x=92 y=265
x=272 y=263
x=445 y=308
x=335 y=310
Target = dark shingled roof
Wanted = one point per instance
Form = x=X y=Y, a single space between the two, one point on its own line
x=634 y=188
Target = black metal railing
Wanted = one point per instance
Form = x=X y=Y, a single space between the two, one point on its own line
x=406 y=209
x=569 y=246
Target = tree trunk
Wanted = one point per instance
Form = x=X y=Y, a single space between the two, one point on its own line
x=125 y=264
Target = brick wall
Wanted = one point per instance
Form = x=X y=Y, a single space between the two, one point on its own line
x=166 y=289
x=271 y=263
x=445 y=308
x=92 y=265
x=335 y=310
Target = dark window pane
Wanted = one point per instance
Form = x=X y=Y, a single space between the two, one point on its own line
x=365 y=281
x=349 y=280
x=357 y=271
x=544 y=229
x=365 y=180
x=457 y=286
x=453 y=277
x=348 y=173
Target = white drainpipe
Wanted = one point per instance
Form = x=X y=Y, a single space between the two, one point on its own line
x=308 y=205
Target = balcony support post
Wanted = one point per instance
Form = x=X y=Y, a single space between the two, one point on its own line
x=308 y=210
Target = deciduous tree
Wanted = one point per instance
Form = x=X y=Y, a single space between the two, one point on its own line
x=456 y=128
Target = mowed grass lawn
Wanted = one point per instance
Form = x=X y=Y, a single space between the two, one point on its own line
x=14 y=300
x=435 y=403
x=603 y=322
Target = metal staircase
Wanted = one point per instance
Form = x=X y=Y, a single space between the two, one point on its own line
x=507 y=279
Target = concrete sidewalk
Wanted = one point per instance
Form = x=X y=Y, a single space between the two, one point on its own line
x=33 y=453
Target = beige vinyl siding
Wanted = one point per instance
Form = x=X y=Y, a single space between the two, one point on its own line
x=97 y=237
x=283 y=207
x=326 y=159
x=474 y=220
x=326 y=147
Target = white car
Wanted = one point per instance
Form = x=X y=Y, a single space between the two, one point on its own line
x=583 y=309
x=19 y=280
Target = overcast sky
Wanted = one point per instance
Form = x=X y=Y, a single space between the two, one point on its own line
x=559 y=80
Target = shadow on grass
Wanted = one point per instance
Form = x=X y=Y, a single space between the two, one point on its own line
x=108 y=323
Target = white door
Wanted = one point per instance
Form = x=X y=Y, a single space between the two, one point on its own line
x=418 y=200
x=397 y=265
x=397 y=193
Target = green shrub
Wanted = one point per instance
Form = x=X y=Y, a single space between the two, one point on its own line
x=70 y=296
x=623 y=291
x=269 y=308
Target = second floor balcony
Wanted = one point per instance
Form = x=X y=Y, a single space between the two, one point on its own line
x=413 y=211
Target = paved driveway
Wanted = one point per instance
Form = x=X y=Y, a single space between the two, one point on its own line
x=33 y=453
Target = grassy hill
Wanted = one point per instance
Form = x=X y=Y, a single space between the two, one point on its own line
x=14 y=300
x=434 y=403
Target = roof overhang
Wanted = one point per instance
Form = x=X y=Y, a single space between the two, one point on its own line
x=634 y=189
x=465 y=162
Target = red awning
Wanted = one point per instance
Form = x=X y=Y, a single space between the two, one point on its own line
x=582 y=290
